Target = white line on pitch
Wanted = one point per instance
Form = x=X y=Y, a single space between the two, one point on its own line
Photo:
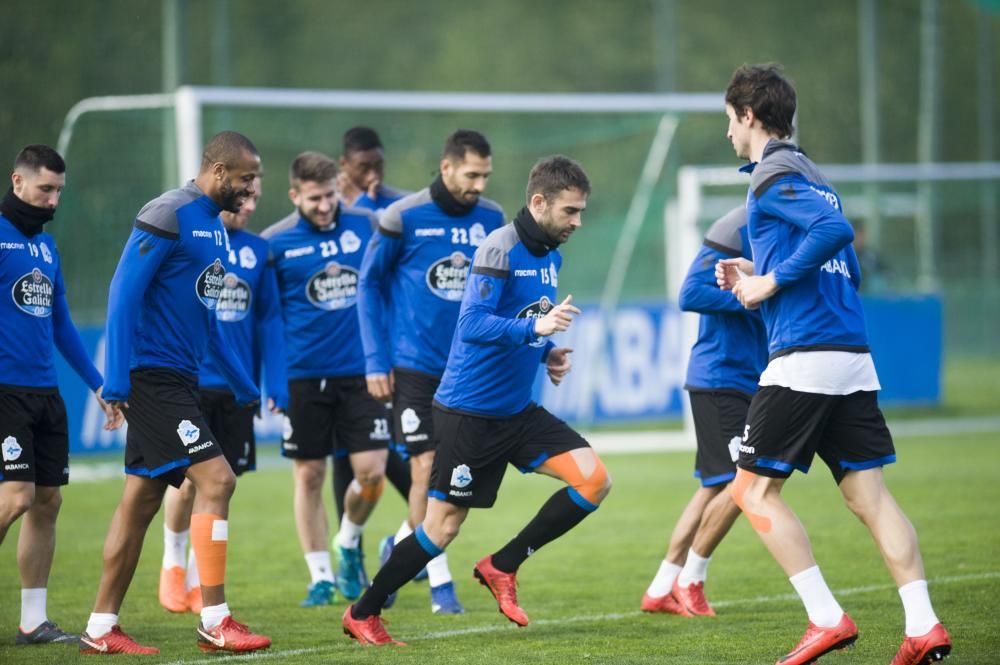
x=496 y=628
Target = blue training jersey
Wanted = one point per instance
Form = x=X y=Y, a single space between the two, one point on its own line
x=495 y=352
x=318 y=271
x=731 y=349
x=413 y=279
x=249 y=315
x=161 y=305
x=799 y=233
x=35 y=314
x=385 y=197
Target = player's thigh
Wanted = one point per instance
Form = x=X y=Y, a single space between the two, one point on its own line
x=856 y=437
x=783 y=430
x=308 y=431
x=543 y=436
x=413 y=418
x=719 y=420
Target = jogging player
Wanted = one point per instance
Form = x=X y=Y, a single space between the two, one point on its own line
x=161 y=317
x=317 y=253
x=420 y=259
x=33 y=430
x=722 y=374
x=249 y=316
x=818 y=393
x=483 y=414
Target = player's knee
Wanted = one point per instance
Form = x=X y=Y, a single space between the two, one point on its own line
x=595 y=487
x=47 y=503
x=15 y=505
x=309 y=475
x=369 y=487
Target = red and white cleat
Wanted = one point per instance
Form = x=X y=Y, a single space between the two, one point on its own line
x=503 y=586
x=113 y=641
x=819 y=641
x=692 y=598
x=666 y=604
x=231 y=635
x=931 y=647
x=368 y=631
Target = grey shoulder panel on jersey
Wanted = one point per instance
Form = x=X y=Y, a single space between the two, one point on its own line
x=390 y=222
x=724 y=234
x=282 y=224
x=781 y=163
x=493 y=256
x=159 y=216
x=490 y=204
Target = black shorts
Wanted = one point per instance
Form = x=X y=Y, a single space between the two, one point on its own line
x=413 y=419
x=473 y=451
x=167 y=431
x=719 y=418
x=333 y=416
x=233 y=427
x=34 y=439
x=786 y=427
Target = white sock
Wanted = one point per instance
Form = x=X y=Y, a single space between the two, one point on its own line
x=101 y=624
x=920 y=617
x=349 y=536
x=32 y=609
x=212 y=615
x=320 y=568
x=404 y=531
x=191 y=578
x=174 y=544
x=664 y=580
x=695 y=570
x=437 y=570
x=822 y=608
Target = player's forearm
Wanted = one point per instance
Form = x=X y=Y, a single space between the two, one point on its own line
x=70 y=345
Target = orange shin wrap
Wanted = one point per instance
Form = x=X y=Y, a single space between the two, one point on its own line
x=590 y=485
x=369 y=493
x=760 y=523
x=209 y=538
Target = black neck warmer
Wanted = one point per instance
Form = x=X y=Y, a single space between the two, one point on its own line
x=448 y=203
x=532 y=235
x=27 y=218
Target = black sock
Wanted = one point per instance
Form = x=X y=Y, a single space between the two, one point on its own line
x=559 y=514
x=408 y=557
x=397 y=470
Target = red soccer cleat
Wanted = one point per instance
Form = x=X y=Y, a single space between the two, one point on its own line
x=819 y=641
x=113 y=641
x=692 y=598
x=172 y=594
x=231 y=635
x=930 y=647
x=663 y=605
x=503 y=586
x=368 y=631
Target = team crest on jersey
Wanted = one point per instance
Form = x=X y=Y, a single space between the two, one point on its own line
x=248 y=260
x=46 y=254
x=11 y=449
x=234 y=299
x=537 y=309
x=477 y=234
x=333 y=287
x=349 y=242
x=446 y=277
x=210 y=284
x=553 y=274
x=188 y=432
x=461 y=476
x=33 y=293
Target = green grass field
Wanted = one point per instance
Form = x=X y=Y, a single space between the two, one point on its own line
x=581 y=592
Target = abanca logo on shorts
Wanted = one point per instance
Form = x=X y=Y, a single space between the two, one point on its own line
x=33 y=293
x=446 y=277
x=333 y=287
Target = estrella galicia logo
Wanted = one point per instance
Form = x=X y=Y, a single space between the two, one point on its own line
x=446 y=277
x=33 y=293
x=537 y=309
x=333 y=287
x=234 y=299
x=210 y=284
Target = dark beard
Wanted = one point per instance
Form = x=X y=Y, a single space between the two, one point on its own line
x=229 y=196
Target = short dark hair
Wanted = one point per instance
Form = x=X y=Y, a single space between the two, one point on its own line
x=360 y=139
x=462 y=141
x=764 y=90
x=551 y=175
x=37 y=156
x=311 y=166
x=227 y=148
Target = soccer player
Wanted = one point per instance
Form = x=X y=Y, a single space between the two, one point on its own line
x=161 y=317
x=819 y=391
x=362 y=170
x=725 y=363
x=317 y=253
x=483 y=414
x=421 y=258
x=249 y=316
x=33 y=431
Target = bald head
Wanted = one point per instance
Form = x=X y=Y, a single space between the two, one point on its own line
x=228 y=149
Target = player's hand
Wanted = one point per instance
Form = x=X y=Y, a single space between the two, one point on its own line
x=380 y=386
x=558 y=319
x=730 y=271
x=373 y=188
x=751 y=291
x=558 y=364
x=346 y=190
x=113 y=416
x=273 y=407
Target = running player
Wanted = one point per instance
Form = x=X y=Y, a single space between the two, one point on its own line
x=725 y=364
x=420 y=260
x=483 y=414
x=818 y=393
x=161 y=317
